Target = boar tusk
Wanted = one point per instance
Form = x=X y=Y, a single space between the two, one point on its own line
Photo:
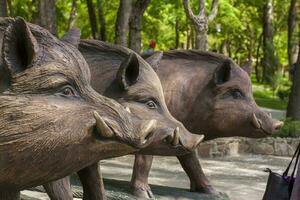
x=127 y=109
x=175 y=140
x=270 y=115
x=102 y=127
x=147 y=128
x=169 y=139
x=256 y=122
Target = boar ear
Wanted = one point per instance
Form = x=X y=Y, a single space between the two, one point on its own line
x=154 y=59
x=129 y=70
x=20 y=47
x=72 y=37
x=222 y=73
x=247 y=67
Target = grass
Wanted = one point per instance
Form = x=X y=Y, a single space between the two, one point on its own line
x=265 y=97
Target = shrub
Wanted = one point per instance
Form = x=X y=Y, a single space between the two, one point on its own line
x=290 y=128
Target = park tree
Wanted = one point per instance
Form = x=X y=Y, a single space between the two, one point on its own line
x=101 y=20
x=93 y=18
x=292 y=33
x=121 y=30
x=135 y=24
x=270 y=60
x=200 y=21
x=47 y=15
x=72 y=17
x=3 y=8
x=293 y=110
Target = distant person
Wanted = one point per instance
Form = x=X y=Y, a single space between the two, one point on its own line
x=150 y=50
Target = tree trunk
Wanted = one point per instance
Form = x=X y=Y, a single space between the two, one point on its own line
x=177 y=33
x=201 y=21
x=270 y=60
x=292 y=40
x=135 y=24
x=72 y=14
x=47 y=15
x=10 y=9
x=92 y=17
x=121 y=28
x=102 y=20
x=293 y=109
x=188 y=37
x=257 y=74
x=201 y=40
x=192 y=38
x=3 y=8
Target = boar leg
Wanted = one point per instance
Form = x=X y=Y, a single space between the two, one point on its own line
x=10 y=195
x=192 y=167
x=140 y=174
x=59 y=189
x=92 y=183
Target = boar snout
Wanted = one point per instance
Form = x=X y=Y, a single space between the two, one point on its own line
x=277 y=125
x=265 y=123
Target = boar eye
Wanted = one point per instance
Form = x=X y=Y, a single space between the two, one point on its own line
x=68 y=91
x=151 y=104
x=237 y=94
x=234 y=94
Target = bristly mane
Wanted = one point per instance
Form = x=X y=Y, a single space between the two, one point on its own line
x=195 y=54
x=104 y=46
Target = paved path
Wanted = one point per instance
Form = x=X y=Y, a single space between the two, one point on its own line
x=277 y=114
x=240 y=177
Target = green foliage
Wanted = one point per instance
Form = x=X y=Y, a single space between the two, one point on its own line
x=290 y=129
x=236 y=29
x=265 y=96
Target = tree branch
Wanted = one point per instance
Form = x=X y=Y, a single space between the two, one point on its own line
x=214 y=10
x=202 y=7
x=188 y=10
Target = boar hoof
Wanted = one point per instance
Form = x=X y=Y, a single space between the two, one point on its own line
x=143 y=192
x=102 y=127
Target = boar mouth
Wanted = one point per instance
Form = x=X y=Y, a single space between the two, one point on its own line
x=189 y=143
x=257 y=123
x=103 y=129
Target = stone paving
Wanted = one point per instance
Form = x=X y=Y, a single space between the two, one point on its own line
x=240 y=177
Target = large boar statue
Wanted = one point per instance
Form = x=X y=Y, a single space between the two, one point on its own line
x=52 y=123
x=121 y=74
x=211 y=94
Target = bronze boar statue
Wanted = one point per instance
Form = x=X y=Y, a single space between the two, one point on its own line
x=52 y=123
x=208 y=93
